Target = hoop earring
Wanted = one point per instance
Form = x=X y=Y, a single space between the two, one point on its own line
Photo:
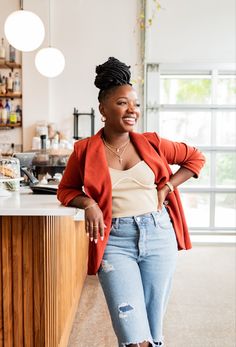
x=103 y=119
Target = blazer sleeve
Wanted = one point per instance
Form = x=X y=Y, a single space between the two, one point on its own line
x=181 y=154
x=71 y=184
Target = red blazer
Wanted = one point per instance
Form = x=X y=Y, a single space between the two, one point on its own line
x=87 y=172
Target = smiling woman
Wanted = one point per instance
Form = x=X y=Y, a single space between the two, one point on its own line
x=133 y=213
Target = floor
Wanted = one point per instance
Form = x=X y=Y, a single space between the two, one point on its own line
x=201 y=310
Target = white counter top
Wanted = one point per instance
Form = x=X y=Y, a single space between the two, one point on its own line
x=25 y=203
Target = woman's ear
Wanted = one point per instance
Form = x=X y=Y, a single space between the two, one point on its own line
x=101 y=109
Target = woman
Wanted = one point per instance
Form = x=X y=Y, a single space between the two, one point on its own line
x=133 y=213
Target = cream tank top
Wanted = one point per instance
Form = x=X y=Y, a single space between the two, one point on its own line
x=133 y=191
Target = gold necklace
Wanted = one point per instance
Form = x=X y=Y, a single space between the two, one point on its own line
x=117 y=150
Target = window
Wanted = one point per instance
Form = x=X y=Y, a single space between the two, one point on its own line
x=197 y=106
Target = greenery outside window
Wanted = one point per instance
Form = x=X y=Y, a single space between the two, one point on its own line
x=197 y=105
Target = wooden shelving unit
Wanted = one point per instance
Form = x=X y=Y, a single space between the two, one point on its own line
x=9 y=65
x=11 y=95
x=9 y=125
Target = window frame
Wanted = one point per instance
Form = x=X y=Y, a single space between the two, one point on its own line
x=213 y=71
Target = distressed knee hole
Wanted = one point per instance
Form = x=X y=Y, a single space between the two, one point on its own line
x=106 y=266
x=124 y=310
x=138 y=344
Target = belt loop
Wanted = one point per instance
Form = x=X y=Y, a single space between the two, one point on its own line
x=154 y=216
x=116 y=223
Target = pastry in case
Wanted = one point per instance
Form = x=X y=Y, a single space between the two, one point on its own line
x=9 y=174
x=9 y=168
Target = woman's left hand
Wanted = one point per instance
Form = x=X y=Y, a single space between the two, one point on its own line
x=162 y=194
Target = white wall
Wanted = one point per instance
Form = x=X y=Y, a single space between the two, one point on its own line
x=190 y=31
x=87 y=32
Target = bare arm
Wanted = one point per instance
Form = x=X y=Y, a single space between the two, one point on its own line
x=94 y=223
x=178 y=178
x=70 y=193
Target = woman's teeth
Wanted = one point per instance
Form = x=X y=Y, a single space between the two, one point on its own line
x=129 y=120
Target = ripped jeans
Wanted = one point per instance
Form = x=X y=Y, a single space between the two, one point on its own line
x=136 y=274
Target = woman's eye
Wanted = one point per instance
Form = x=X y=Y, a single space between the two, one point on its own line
x=122 y=103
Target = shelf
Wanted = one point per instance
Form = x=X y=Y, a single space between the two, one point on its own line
x=10 y=126
x=11 y=95
x=9 y=65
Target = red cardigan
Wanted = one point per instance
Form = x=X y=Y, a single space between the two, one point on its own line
x=87 y=172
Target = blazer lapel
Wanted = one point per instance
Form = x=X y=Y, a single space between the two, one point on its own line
x=97 y=179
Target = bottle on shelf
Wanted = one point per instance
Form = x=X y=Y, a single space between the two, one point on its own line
x=1 y=84
x=3 y=88
x=12 y=54
x=2 y=51
x=13 y=117
x=4 y=116
x=18 y=114
x=8 y=110
x=10 y=83
x=1 y=108
x=16 y=84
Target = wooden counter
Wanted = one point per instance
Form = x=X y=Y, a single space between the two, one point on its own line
x=43 y=264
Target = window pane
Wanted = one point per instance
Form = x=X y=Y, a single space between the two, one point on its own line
x=226 y=91
x=226 y=169
x=190 y=127
x=152 y=120
x=225 y=128
x=225 y=210
x=185 y=90
x=197 y=209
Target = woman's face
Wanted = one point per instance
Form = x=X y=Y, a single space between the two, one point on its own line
x=121 y=109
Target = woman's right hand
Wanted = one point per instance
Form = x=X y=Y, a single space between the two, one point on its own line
x=94 y=223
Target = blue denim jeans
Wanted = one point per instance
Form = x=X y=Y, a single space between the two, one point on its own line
x=136 y=274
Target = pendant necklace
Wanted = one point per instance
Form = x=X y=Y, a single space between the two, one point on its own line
x=117 y=150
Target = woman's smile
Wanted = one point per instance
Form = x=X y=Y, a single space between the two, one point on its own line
x=129 y=120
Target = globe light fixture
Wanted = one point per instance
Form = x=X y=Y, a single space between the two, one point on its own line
x=24 y=30
x=50 y=61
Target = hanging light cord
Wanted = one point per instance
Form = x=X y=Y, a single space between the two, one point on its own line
x=21 y=4
x=49 y=22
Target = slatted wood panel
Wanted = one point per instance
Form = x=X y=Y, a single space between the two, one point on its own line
x=1 y=294
x=17 y=280
x=7 y=284
x=43 y=263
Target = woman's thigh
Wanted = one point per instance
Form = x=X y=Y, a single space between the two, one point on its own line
x=157 y=268
x=120 y=278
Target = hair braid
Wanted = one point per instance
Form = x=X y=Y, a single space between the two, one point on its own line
x=111 y=74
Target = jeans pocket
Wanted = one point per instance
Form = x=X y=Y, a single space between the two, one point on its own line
x=164 y=221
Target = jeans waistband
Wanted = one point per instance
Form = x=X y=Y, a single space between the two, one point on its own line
x=138 y=219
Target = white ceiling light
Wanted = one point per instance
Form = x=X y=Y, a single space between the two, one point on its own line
x=24 y=30
x=50 y=61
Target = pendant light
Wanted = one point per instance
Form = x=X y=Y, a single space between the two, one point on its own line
x=24 y=30
x=50 y=61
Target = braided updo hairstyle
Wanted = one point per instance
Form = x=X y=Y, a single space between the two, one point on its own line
x=111 y=74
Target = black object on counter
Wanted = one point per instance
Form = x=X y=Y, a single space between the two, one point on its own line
x=76 y=115
x=43 y=141
x=38 y=188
